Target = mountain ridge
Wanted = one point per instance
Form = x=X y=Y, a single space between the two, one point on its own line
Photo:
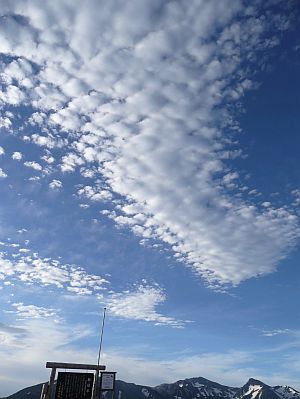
x=188 y=388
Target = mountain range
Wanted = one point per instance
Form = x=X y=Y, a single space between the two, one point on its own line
x=190 y=388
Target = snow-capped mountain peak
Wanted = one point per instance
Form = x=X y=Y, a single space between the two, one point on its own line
x=196 y=388
x=255 y=389
x=286 y=392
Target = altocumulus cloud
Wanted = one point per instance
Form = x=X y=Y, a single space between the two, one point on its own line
x=144 y=90
x=32 y=269
x=32 y=311
x=139 y=303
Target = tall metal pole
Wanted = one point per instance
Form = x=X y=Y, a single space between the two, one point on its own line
x=95 y=388
x=101 y=337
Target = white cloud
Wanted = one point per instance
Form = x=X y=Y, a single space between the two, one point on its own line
x=27 y=347
x=37 y=118
x=49 y=141
x=272 y=333
x=2 y=152
x=55 y=184
x=34 y=165
x=5 y=122
x=12 y=95
x=32 y=311
x=141 y=304
x=94 y=193
x=18 y=70
x=17 y=156
x=34 y=178
x=70 y=162
x=147 y=105
x=85 y=172
x=3 y=175
x=84 y=206
x=21 y=231
x=24 y=250
x=31 y=269
x=48 y=158
x=6 y=268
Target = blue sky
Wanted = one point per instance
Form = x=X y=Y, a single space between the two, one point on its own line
x=149 y=163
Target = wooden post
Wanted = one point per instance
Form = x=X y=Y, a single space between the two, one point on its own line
x=75 y=366
x=44 y=393
x=51 y=383
x=47 y=393
x=95 y=386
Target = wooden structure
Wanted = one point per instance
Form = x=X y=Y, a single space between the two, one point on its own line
x=48 y=387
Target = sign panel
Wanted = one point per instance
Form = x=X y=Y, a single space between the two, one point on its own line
x=74 y=385
x=108 y=381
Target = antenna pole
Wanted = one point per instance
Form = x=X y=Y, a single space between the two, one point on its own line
x=95 y=388
x=101 y=337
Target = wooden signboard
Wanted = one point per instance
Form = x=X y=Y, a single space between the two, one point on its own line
x=74 y=385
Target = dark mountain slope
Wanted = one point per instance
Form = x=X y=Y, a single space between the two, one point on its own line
x=190 y=388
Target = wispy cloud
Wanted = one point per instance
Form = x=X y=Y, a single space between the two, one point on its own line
x=273 y=333
x=43 y=341
x=11 y=330
x=27 y=352
x=141 y=304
